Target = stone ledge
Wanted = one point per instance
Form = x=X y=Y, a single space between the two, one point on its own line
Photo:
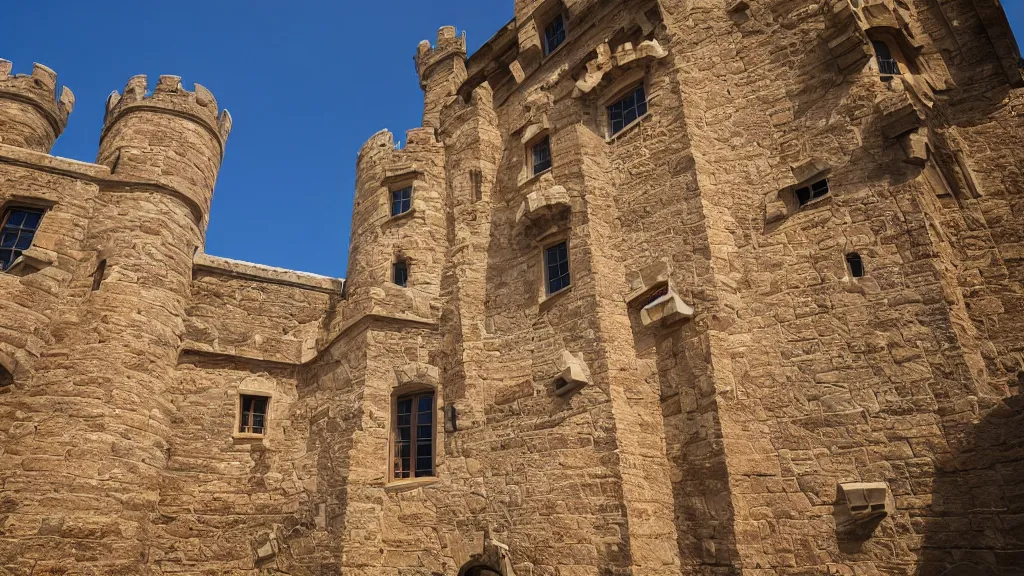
x=268 y=274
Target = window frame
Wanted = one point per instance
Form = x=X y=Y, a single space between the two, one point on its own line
x=532 y=148
x=623 y=89
x=548 y=293
x=395 y=468
x=241 y=429
x=886 y=66
x=6 y=212
x=813 y=194
x=403 y=201
x=548 y=23
x=404 y=264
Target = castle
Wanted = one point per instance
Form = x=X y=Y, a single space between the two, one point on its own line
x=660 y=287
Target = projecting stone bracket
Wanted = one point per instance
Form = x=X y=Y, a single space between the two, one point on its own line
x=606 y=61
x=574 y=374
x=267 y=546
x=543 y=203
x=862 y=504
x=666 y=309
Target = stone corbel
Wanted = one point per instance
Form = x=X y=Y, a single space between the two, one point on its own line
x=899 y=116
x=666 y=310
x=418 y=373
x=572 y=376
x=915 y=146
x=606 y=61
x=543 y=202
x=267 y=547
x=860 y=503
x=645 y=280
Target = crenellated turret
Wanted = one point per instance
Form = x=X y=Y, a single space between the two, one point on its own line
x=442 y=69
x=172 y=136
x=31 y=115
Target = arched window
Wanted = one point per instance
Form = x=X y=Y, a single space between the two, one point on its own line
x=413 y=435
x=887 y=64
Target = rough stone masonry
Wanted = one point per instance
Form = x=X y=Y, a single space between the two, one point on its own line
x=660 y=287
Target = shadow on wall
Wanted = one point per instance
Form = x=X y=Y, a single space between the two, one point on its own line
x=976 y=522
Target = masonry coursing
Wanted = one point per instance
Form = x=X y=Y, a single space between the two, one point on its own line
x=721 y=437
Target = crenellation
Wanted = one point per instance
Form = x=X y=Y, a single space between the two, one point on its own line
x=705 y=288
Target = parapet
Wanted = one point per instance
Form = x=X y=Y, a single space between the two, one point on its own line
x=449 y=44
x=36 y=116
x=198 y=105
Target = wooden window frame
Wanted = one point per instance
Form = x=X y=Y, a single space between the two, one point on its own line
x=532 y=149
x=401 y=196
x=396 y=471
x=548 y=23
x=568 y=262
x=242 y=430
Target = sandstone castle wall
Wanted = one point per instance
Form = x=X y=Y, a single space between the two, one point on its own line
x=731 y=385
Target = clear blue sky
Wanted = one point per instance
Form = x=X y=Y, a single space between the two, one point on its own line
x=307 y=82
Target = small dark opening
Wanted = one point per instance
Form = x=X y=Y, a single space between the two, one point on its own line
x=560 y=383
x=656 y=294
x=6 y=378
x=476 y=178
x=97 y=276
x=887 y=65
x=400 y=273
x=856 y=264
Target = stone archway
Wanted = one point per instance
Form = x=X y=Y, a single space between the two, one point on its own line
x=475 y=569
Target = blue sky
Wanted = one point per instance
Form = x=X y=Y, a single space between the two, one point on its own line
x=307 y=82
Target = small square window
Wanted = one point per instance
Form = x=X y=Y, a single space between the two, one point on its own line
x=401 y=201
x=400 y=273
x=812 y=192
x=626 y=111
x=253 y=419
x=541 y=152
x=554 y=34
x=556 y=267
x=16 y=233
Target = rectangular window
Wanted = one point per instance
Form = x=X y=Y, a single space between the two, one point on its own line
x=253 y=418
x=812 y=192
x=16 y=232
x=400 y=273
x=556 y=267
x=554 y=34
x=414 y=436
x=401 y=201
x=627 y=110
x=541 y=155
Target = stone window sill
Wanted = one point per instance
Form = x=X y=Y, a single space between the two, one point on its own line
x=248 y=436
x=534 y=178
x=410 y=484
x=399 y=217
x=549 y=299
x=629 y=127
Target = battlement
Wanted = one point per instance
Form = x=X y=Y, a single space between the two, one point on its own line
x=449 y=44
x=42 y=115
x=198 y=105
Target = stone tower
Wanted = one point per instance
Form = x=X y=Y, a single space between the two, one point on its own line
x=657 y=288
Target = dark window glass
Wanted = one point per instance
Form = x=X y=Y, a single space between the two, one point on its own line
x=812 y=192
x=400 y=273
x=254 y=415
x=554 y=34
x=18 y=229
x=542 y=156
x=556 y=265
x=887 y=65
x=401 y=201
x=414 y=432
x=628 y=109
x=856 y=264
x=663 y=291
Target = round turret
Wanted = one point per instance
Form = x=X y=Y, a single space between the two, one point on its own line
x=31 y=115
x=171 y=136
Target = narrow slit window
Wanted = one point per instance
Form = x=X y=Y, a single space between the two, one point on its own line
x=401 y=201
x=541 y=155
x=16 y=233
x=476 y=178
x=97 y=276
x=253 y=419
x=626 y=111
x=887 y=65
x=554 y=34
x=556 y=267
x=414 y=436
x=813 y=192
x=400 y=273
x=856 y=264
